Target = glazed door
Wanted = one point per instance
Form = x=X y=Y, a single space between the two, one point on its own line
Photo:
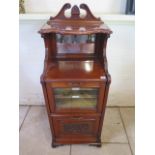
x=76 y=98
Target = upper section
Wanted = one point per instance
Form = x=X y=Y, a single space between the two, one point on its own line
x=76 y=23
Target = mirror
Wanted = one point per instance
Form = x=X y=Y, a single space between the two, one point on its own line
x=75 y=43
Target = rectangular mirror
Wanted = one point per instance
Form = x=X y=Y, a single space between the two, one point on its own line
x=73 y=44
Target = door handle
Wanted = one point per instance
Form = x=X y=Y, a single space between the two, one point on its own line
x=76 y=117
x=74 y=84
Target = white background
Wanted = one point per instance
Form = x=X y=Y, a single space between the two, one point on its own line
x=120 y=52
x=103 y=6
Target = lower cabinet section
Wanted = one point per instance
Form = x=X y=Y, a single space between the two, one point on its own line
x=75 y=129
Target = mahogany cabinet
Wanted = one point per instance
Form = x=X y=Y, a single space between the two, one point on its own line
x=75 y=78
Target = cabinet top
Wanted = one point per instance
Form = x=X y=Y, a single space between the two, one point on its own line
x=76 y=23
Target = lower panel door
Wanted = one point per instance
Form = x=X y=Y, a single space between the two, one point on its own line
x=75 y=129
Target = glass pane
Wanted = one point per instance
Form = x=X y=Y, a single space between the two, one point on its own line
x=76 y=97
x=74 y=44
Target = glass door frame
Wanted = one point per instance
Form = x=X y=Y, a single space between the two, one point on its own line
x=51 y=99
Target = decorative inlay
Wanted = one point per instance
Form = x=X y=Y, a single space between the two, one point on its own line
x=75 y=128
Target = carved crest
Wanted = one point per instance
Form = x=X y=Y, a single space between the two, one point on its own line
x=75 y=13
x=76 y=22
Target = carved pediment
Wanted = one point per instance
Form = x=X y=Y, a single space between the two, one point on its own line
x=75 y=13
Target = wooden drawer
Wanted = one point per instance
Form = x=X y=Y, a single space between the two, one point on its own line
x=75 y=84
x=75 y=128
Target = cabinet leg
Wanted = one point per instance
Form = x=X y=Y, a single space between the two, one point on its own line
x=54 y=145
x=99 y=145
x=96 y=144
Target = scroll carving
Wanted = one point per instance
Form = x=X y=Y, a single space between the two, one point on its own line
x=75 y=13
x=89 y=13
x=61 y=14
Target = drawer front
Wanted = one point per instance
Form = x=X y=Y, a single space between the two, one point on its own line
x=75 y=84
x=74 y=128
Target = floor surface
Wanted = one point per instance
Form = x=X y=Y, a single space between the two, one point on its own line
x=117 y=138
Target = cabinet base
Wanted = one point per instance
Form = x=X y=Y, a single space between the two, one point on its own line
x=97 y=144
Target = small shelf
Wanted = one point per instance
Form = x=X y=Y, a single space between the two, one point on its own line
x=71 y=93
x=74 y=69
x=74 y=97
x=81 y=103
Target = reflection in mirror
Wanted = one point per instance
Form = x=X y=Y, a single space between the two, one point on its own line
x=86 y=66
x=75 y=43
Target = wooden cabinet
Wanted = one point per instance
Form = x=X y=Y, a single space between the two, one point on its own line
x=75 y=78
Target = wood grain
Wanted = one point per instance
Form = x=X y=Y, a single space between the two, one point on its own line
x=72 y=66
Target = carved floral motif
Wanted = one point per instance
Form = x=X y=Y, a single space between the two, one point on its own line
x=74 y=128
